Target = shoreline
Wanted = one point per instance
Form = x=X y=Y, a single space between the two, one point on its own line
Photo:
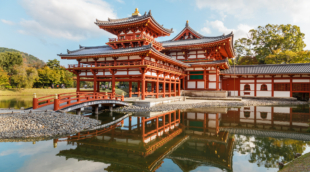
x=189 y=104
x=43 y=125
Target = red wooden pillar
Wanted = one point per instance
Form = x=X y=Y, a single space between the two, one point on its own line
x=272 y=111
x=130 y=89
x=239 y=85
x=255 y=86
x=217 y=79
x=291 y=85
x=272 y=86
x=157 y=126
x=113 y=84
x=175 y=87
x=143 y=127
x=129 y=123
x=157 y=86
x=205 y=77
x=152 y=90
x=184 y=87
x=169 y=87
x=179 y=88
x=77 y=83
x=139 y=93
x=143 y=86
x=164 y=86
x=255 y=116
x=217 y=123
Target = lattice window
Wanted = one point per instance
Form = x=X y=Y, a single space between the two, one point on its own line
x=263 y=87
x=263 y=115
x=281 y=87
x=247 y=114
x=196 y=75
x=301 y=87
x=247 y=87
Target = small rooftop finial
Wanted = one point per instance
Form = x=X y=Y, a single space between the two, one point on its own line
x=186 y=23
x=136 y=12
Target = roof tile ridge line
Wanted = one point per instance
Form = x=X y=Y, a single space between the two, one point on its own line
x=223 y=37
x=113 y=21
x=195 y=31
x=261 y=65
x=77 y=50
x=150 y=15
x=100 y=46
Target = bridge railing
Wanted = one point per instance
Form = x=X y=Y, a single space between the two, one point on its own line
x=63 y=100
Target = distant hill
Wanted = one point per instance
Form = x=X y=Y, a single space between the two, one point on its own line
x=31 y=60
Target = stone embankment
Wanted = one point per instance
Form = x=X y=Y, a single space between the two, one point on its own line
x=43 y=124
x=189 y=104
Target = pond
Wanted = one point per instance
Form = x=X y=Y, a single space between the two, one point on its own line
x=201 y=139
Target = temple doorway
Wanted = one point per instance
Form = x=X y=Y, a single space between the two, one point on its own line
x=301 y=96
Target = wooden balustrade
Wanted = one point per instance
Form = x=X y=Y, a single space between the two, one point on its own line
x=63 y=100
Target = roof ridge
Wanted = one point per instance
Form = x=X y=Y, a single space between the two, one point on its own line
x=257 y=65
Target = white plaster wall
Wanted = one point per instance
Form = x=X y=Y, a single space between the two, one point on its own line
x=281 y=80
x=173 y=53
x=199 y=68
x=212 y=124
x=84 y=60
x=134 y=73
x=281 y=110
x=200 y=116
x=121 y=73
x=212 y=77
x=148 y=73
x=123 y=58
x=190 y=115
x=91 y=60
x=300 y=80
x=190 y=69
x=211 y=116
x=192 y=56
x=180 y=53
x=260 y=80
x=181 y=57
x=269 y=86
x=154 y=74
x=192 y=52
x=109 y=59
x=282 y=94
x=201 y=56
x=107 y=73
x=82 y=73
x=200 y=84
x=212 y=85
x=234 y=93
x=89 y=74
x=134 y=57
x=100 y=73
x=263 y=93
x=191 y=84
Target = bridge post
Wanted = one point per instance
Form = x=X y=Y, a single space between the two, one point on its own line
x=78 y=111
x=35 y=103
x=96 y=109
x=130 y=89
x=56 y=103
x=122 y=98
x=110 y=108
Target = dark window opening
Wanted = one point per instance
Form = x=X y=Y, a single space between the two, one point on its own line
x=263 y=87
x=247 y=87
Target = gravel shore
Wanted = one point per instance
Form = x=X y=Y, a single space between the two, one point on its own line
x=188 y=104
x=43 y=124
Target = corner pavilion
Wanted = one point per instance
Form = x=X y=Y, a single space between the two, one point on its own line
x=189 y=61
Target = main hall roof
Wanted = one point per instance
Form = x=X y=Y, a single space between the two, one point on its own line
x=300 y=68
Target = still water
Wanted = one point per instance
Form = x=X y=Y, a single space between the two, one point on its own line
x=204 y=139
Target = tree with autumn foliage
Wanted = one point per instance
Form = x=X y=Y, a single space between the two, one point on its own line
x=273 y=44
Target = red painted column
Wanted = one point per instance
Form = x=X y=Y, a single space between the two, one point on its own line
x=239 y=78
x=157 y=86
x=255 y=86
x=164 y=87
x=291 y=86
x=143 y=127
x=217 y=79
x=77 y=83
x=152 y=87
x=139 y=83
x=113 y=84
x=175 y=87
x=205 y=77
x=179 y=88
x=169 y=87
x=130 y=89
x=143 y=86
x=156 y=126
x=272 y=86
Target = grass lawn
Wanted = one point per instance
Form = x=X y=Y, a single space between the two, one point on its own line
x=300 y=164
x=44 y=92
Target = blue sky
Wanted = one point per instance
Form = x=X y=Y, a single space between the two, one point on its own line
x=47 y=28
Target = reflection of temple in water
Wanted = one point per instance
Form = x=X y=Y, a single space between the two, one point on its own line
x=141 y=143
x=266 y=118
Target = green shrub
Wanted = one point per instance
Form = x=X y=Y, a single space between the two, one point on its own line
x=8 y=87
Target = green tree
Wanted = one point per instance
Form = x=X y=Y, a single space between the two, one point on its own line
x=24 y=77
x=47 y=76
x=269 y=40
x=4 y=78
x=10 y=59
x=287 y=56
x=53 y=64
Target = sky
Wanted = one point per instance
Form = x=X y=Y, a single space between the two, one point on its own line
x=45 y=28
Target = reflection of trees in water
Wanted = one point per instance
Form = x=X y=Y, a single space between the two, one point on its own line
x=266 y=151
x=16 y=103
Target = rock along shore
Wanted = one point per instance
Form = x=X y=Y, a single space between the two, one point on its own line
x=43 y=124
x=188 y=104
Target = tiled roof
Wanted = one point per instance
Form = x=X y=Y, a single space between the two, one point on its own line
x=189 y=28
x=300 y=68
x=132 y=19
x=172 y=43
x=208 y=63
x=106 y=50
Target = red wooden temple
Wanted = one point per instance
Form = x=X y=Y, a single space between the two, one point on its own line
x=189 y=61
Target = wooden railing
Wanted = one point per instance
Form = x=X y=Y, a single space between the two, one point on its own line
x=63 y=100
x=126 y=63
x=133 y=38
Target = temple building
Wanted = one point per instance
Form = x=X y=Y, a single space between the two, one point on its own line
x=189 y=61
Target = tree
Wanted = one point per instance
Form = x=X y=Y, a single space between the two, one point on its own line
x=48 y=76
x=269 y=40
x=24 y=77
x=4 y=78
x=10 y=59
x=247 y=60
x=53 y=64
x=286 y=57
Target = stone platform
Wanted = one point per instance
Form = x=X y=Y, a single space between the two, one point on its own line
x=204 y=93
x=149 y=102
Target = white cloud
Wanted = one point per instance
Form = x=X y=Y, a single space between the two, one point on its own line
x=206 y=30
x=120 y=1
x=7 y=22
x=65 y=18
x=241 y=31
